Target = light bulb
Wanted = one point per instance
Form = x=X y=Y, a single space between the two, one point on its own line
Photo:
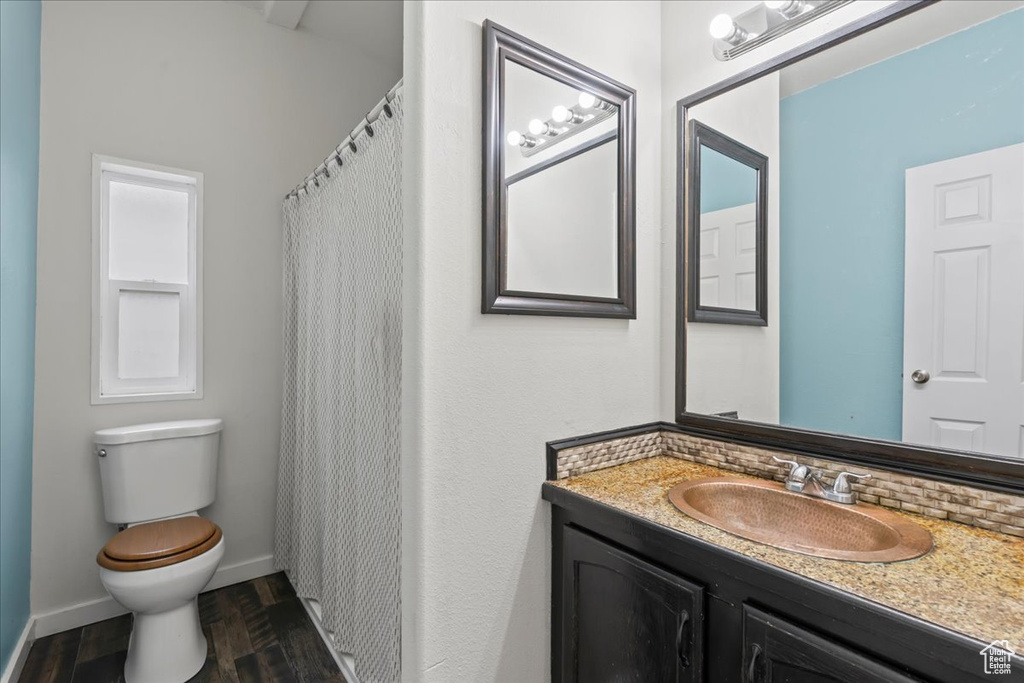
x=787 y=8
x=562 y=114
x=722 y=27
x=587 y=101
x=517 y=139
x=538 y=127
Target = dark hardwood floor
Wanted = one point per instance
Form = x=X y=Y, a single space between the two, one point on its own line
x=255 y=631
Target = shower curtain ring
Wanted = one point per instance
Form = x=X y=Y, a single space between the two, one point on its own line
x=337 y=157
x=387 y=110
x=352 y=146
x=369 y=130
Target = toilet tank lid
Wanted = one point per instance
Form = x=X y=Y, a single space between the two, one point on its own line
x=157 y=430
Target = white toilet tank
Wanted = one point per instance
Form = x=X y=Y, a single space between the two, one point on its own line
x=157 y=470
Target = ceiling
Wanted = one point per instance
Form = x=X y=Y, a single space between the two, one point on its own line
x=373 y=27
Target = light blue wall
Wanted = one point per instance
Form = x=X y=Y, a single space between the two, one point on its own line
x=19 y=179
x=845 y=145
x=724 y=182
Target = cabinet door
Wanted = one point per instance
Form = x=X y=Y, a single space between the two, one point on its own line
x=624 y=620
x=775 y=651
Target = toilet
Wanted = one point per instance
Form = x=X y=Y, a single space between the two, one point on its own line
x=155 y=479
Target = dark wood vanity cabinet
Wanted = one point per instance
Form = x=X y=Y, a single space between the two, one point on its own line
x=625 y=619
x=635 y=602
x=776 y=651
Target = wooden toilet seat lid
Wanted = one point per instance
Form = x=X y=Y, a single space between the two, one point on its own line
x=158 y=544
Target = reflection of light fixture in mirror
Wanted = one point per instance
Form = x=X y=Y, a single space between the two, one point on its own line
x=764 y=22
x=787 y=8
x=562 y=114
x=517 y=139
x=564 y=123
x=724 y=28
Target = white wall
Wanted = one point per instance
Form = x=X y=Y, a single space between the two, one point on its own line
x=483 y=393
x=736 y=367
x=206 y=86
x=687 y=66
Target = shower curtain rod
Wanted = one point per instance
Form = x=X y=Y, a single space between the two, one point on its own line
x=363 y=126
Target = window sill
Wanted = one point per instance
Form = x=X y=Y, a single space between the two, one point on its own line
x=146 y=398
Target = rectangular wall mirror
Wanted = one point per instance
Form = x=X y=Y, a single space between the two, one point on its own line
x=559 y=208
x=728 y=230
x=895 y=245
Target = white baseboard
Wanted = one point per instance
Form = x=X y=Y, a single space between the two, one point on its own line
x=20 y=653
x=243 y=571
x=90 y=612
x=76 y=616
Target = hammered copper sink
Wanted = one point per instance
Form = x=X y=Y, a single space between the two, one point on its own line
x=764 y=511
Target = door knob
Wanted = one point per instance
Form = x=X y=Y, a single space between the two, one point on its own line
x=920 y=376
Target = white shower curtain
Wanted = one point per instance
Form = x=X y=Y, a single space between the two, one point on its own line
x=338 y=509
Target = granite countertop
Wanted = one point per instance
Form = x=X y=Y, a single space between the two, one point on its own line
x=972 y=581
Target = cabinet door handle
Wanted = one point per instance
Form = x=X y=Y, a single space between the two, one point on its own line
x=681 y=642
x=752 y=669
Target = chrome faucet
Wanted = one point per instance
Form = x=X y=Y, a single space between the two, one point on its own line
x=803 y=479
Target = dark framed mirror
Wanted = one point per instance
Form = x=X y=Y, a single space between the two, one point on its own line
x=728 y=223
x=559 y=207
x=895 y=248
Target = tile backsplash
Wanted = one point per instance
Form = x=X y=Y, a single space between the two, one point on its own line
x=990 y=510
x=601 y=454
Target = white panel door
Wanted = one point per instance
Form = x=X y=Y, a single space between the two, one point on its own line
x=728 y=258
x=964 y=303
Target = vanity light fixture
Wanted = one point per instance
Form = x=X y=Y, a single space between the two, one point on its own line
x=564 y=123
x=734 y=36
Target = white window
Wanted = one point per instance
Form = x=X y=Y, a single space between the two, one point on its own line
x=147 y=300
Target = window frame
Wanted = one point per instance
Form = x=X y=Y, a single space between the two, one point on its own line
x=107 y=387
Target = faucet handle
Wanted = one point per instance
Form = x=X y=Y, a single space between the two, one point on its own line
x=793 y=464
x=842 y=485
x=797 y=473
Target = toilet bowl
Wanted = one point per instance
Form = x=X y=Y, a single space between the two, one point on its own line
x=156 y=477
x=167 y=643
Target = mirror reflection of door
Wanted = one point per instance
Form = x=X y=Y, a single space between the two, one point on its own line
x=728 y=237
x=727 y=214
x=964 y=306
